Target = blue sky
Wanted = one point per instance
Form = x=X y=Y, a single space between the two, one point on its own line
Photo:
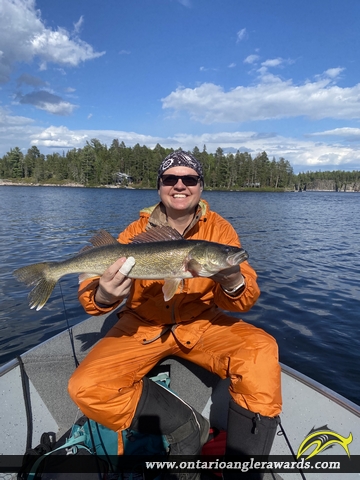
x=277 y=75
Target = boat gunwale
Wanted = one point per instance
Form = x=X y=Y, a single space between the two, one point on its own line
x=320 y=388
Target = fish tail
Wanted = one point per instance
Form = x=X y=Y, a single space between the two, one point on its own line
x=40 y=276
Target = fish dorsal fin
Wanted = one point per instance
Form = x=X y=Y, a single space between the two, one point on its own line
x=102 y=238
x=86 y=248
x=158 y=234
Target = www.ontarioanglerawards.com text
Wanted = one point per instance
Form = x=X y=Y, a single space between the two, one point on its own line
x=244 y=466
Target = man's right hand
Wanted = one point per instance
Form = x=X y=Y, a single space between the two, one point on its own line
x=114 y=285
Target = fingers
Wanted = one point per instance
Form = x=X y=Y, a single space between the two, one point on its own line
x=228 y=277
x=114 y=268
x=114 y=283
x=117 y=273
x=119 y=269
x=227 y=272
x=127 y=266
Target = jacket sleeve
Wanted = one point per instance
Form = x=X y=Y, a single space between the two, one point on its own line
x=246 y=299
x=87 y=288
x=86 y=295
x=249 y=296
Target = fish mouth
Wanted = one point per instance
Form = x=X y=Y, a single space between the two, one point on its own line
x=238 y=257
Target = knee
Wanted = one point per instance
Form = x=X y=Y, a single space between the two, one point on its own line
x=256 y=357
x=256 y=342
x=79 y=386
x=74 y=387
x=266 y=353
x=270 y=347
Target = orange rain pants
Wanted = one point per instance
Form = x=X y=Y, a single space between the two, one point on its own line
x=108 y=383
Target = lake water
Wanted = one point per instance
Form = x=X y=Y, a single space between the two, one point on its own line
x=304 y=247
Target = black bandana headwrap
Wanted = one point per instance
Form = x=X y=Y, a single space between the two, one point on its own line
x=181 y=159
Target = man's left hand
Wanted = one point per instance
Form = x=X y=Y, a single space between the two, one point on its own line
x=229 y=278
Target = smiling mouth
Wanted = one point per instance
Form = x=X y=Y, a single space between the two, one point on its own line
x=178 y=195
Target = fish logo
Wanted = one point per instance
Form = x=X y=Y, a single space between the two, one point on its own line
x=323 y=438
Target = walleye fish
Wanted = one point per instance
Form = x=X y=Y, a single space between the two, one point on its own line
x=161 y=253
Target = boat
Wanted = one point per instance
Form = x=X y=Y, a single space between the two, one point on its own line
x=43 y=373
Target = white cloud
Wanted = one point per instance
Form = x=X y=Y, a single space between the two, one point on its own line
x=20 y=20
x=232 y=65
x=8 y=120
x=205 y=69
x=349 y=133
x=58 y=47
x=241 y=35
x=15 y=131
x=62 y=108
x=78 y=25
x=302 y=154
x=271 y=98
x=334 y=72
x=251 y=59
x=60 y=137
x=185 y=3
x=274 y=62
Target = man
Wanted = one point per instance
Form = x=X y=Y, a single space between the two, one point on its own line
x=110 y=384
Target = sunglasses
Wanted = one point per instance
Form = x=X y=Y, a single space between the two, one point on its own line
x=187 y=180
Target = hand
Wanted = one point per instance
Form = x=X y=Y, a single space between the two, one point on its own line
x=229 y=277
x=113 y=285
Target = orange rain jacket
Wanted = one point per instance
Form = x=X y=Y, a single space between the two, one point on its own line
x=196 y=298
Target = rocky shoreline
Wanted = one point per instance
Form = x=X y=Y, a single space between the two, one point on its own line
x=24 y=184
x=316 y=186
x=75 y=185
x=331 y=186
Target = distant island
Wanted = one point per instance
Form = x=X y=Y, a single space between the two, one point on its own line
x=119 y=166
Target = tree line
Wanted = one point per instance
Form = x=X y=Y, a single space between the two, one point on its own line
x=96 y=164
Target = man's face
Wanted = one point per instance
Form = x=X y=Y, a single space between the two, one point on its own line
x=180 y=197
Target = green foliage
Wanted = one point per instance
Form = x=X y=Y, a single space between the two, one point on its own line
x=97 y=165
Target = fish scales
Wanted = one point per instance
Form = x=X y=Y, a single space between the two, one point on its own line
x=152 y=260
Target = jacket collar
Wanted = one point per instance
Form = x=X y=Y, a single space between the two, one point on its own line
x=157 y=215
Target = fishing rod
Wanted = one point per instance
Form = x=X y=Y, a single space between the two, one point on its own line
x=69 y=329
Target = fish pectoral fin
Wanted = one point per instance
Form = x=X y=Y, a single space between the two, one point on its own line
x=170 y=287
x=85 y=276
x=196 y=269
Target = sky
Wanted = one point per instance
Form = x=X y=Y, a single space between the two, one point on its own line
x=280 y=76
